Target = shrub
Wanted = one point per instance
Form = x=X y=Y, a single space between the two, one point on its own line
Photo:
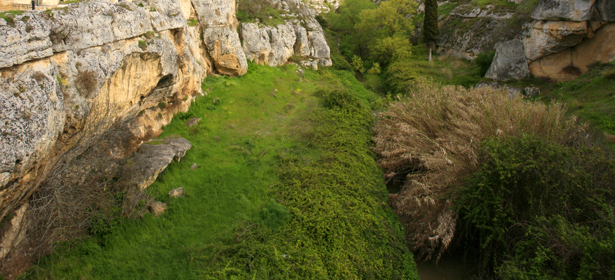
x=434 y=136
x=86 y=82
x=142 y=44
x=547 y=206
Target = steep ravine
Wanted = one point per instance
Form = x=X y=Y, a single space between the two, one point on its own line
x=97 y=79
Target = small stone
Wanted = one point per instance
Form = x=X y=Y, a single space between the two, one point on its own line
x=192 y=122
x=157 y=208
x=177 y=192
x=194 y=166
x=531 y=91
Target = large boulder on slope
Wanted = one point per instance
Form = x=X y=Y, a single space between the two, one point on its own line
x=152 y=158
x=509 y=62
x=548 y=37
x=570 y=63
x=225 y=50
x=566 y=10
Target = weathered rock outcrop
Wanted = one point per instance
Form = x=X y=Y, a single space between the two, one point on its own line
x=67 y=76
x=564 y=10
x=28 y=40
x=509 y=62
x=566 y=37
x=572 y=62
x=152 y=158
x=470 y=29
x=548 y=37
x=606 y=10
x=225 y=50
x=274 y=45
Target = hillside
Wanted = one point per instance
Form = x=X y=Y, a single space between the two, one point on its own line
x=211 y=139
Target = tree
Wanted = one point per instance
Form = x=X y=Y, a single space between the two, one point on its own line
x=430 y=25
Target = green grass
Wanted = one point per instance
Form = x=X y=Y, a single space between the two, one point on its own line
x=261 y=153
x=591 y=96
x=192 y=21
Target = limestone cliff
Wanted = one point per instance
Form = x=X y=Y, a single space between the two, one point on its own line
x=300 y=35
x=68 y=75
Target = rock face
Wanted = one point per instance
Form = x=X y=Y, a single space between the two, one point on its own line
x=564 y=10
x=28 y=40
x=274 y=45
x=606 y=9
x=509 y=62
x=225 y=49
x=153 y=157
x=215 y=13
x=68 y=76
x=548 y=37
x=572 y=62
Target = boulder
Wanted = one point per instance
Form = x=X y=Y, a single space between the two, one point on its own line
x=282 y=38
x=570 y=63
x=531 y=91
x=606 y=9
x=177 y=192
x=225 y=50
x=564 y=10
x=548 y=37
x=192 y=122
x=509 y=62
x=256 y=45
x=25 y=38
x=152 y=158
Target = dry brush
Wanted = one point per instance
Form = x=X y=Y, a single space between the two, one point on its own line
x=434 y=136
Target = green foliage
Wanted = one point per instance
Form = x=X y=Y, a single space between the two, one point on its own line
x=274 y=215
x=540 y=210
x=339 y=227
x=430 y=23
x=142 y=44
x=285 y=189
x=192 y=22
x=484 y=60
x=357 y=64
x=389 y=19
x=391 y=49
x=591 y=96
x=9 y=16
x=343 y=22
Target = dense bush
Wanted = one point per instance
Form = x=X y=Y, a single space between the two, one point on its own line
x=537 y=209
x=434 y=134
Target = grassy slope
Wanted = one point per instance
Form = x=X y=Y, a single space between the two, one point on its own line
x=239 y=146
x=591 y=96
